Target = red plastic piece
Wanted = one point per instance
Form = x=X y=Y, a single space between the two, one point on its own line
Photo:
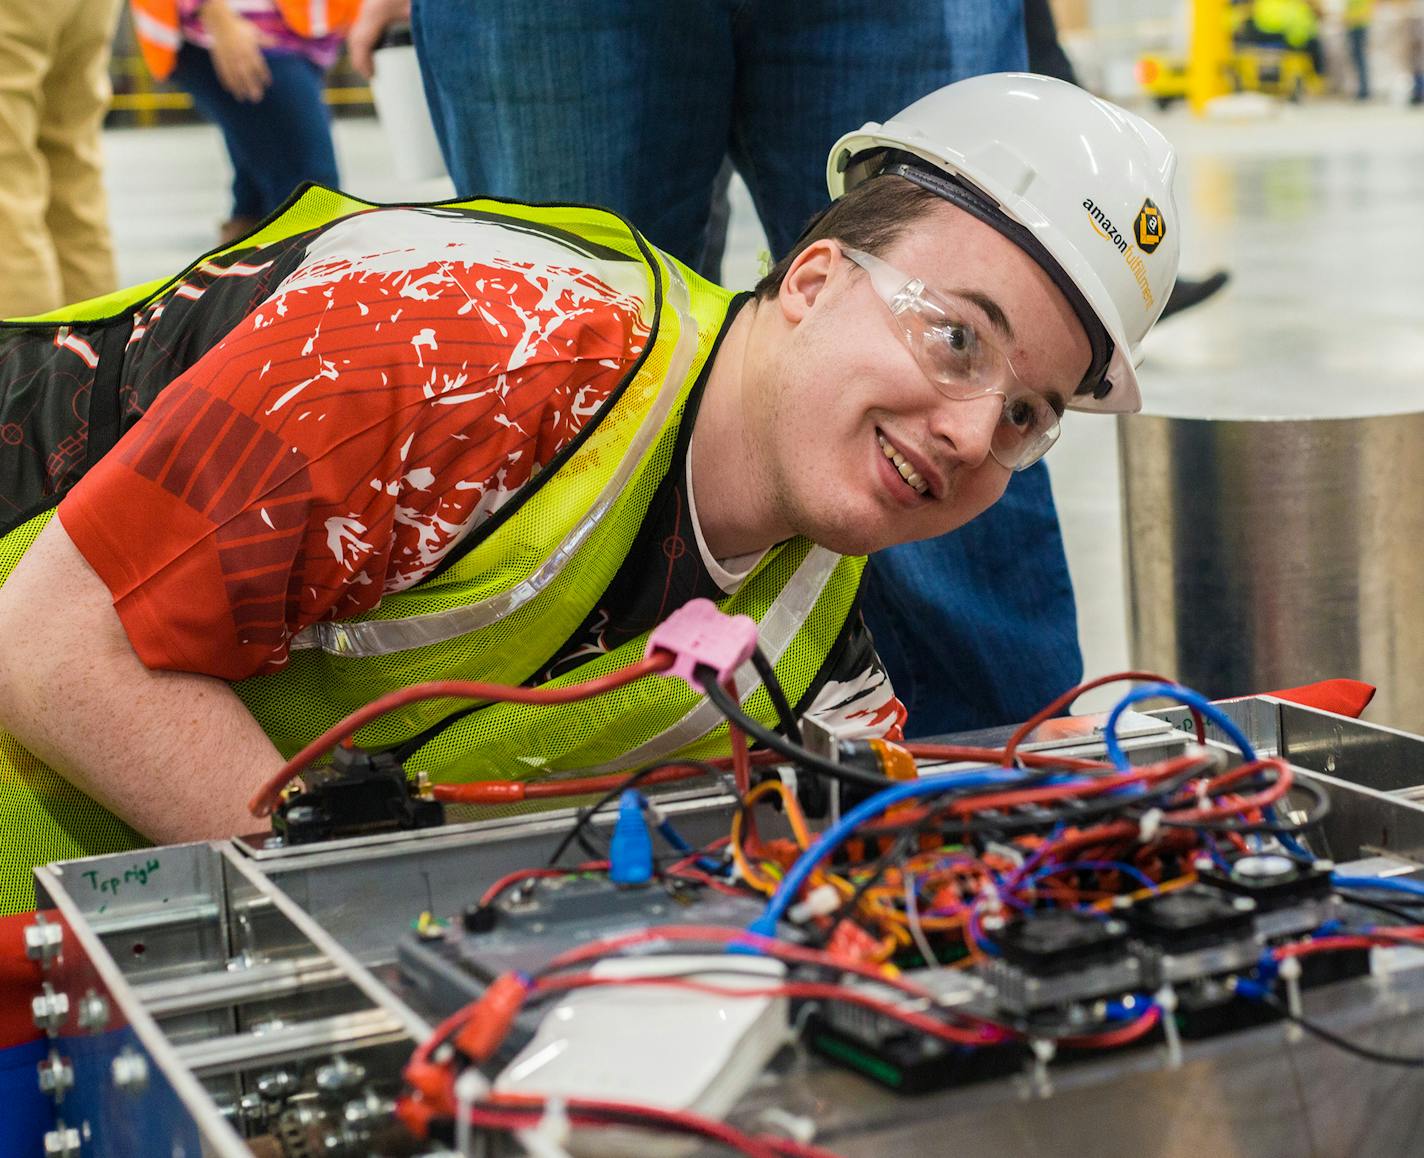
x=1343 y=697
x=852 y=943
x=492 y=1016
x=698 y=634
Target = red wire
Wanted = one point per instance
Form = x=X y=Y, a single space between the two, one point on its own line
x=1115 y=1037
x=265 y=798
x=741 y=764
x=510 y=879
x=1023 y=730
x=1044 y=794
x=583 y=1112
x=514 y=791
x=1284 y=779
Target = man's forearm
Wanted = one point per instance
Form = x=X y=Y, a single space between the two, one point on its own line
x=175 y=755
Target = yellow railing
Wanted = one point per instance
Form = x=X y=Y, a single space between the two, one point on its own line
x=162 y=100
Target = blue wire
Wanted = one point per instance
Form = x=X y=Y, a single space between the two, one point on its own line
x=1183 y=695
x=677 y=841
x=1209 y=710
x=868 y=809
x=1384 y=884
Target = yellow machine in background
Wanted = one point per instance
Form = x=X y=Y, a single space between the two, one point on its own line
x=1251 y=46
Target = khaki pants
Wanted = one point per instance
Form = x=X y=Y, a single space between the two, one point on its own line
x=55 y=246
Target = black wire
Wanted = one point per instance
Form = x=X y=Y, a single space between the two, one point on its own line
x=408 y=748
x=805 y=759
x=632 y=781
x=1311 y=1027
x=894 y=854
x=764 y=668
x=1370 y=903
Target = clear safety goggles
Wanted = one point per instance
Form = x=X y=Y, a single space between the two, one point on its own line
x=961 y=364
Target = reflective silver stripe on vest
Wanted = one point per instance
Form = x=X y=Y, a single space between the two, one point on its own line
x=386 y=636
x=783 y=619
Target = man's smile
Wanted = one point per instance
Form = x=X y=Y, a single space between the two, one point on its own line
x=906 y=469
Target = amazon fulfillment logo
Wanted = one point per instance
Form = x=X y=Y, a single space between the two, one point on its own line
x=1148 y=230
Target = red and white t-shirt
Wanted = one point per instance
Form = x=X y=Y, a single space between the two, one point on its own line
x=403 y=381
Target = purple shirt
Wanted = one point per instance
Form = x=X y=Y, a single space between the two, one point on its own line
x=321 y=51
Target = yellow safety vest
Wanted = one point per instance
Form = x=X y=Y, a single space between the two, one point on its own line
x=501 y=611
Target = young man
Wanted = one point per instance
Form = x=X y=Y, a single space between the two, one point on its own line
x=369 y=447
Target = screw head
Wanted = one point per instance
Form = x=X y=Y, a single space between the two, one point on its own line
x=50 y=1009
x=56 y=1075
x=93 y=1013
x=339 y=1074
x=62 y=1142
x=129 y=1071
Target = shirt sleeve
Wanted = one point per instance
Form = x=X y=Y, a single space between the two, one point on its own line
x=858 y=702
x=332 y=449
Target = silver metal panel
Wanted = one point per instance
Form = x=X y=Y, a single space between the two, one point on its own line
x=1271 y=553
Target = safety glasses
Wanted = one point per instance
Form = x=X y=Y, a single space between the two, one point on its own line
x=961 y=364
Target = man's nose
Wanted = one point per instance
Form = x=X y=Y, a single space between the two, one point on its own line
x=968 y=425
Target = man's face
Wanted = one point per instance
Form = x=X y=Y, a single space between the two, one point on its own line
x=844 y=392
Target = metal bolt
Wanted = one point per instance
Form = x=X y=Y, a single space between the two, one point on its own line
x=93 y=1013
x=340 y=1074
x=275 y=1085
x=62 y=1142
x=43 y=940
x=251 y=1109
x=50 y=1009
x=129 y=1071
x=56 y=1075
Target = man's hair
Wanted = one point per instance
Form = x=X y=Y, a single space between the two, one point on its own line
x=872 y=216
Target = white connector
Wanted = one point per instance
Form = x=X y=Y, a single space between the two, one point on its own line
x=821 y=901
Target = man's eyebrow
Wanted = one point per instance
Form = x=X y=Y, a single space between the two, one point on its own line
x=997 y=318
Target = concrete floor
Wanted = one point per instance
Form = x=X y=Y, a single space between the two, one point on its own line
x=1315 y=211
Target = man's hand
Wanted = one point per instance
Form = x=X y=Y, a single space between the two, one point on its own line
x=370 y=26
x=237 y=51
x=175 y=755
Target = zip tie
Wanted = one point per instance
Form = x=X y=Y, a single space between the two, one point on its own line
x=1148 y=825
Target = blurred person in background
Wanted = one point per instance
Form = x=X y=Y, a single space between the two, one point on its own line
x=55 y=245
x=636 y=106
x=1293 y=24
x=254 y=68
x=1357 y=32
x=1414 y=49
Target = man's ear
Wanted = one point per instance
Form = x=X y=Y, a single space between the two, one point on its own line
x=806 y=278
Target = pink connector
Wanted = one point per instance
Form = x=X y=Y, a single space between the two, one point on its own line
x=700 y=635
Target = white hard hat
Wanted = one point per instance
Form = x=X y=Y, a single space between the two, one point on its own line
x=1081 y=185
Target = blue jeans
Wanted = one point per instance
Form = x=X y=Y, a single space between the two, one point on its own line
x=634 y=106
x=275 y=144
x=1359 y=38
